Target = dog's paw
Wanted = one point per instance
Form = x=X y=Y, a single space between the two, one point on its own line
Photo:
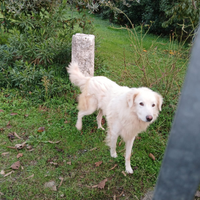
x=79 y=126
x=101 y=128
x=129 y=171
x=114 y=155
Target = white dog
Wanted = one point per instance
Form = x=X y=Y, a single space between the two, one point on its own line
x=128 y=111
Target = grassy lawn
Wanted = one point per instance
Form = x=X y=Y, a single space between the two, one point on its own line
x=76 y=162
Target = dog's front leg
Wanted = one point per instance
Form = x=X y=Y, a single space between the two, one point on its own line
x=113 y=142
x=129 y=145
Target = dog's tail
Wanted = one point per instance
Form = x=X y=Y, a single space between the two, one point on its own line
x=76 y=76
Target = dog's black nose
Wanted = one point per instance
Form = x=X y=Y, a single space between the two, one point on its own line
x=149 y=118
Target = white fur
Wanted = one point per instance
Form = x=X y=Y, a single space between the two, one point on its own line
x=127 y=110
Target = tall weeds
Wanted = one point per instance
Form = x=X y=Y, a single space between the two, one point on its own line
x=162 y=66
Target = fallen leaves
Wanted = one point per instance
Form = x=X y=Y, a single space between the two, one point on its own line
x=8 y=125
x=20 y=146
x=93 y=149
x=5 y=153
x=113 y=167
x=15 y=134
x=1 y=111
x=15 y=165
x=98 y=163
x=2 y=172
x=12 y=114
x=41 y=129
x=19 y=155
x=51 y=185
x=53 y=163
x=9 y=173
x=61 y=178
x=69 y=163
x=123 y=172
x=54 y=142
x=152 y=156
x=102 y=184
x=30 y=176
x=11 y=136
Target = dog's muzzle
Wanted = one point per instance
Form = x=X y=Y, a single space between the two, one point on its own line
x=149 y=118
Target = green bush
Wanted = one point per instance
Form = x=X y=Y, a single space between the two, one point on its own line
x=35 y=55
x=165 y=16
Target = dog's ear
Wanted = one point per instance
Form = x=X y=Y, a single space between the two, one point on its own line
x=131 y=97
x=159 y=101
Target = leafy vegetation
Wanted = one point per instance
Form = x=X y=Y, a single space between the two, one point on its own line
x=165 y=16
x=38 y=46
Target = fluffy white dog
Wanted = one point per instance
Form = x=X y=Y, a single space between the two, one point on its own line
x=128 y=111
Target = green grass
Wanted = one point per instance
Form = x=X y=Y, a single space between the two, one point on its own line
x=83 y=149
x=49 y=162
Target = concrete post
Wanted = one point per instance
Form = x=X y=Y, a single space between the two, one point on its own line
x=83 y=47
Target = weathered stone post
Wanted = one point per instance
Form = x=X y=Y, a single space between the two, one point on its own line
x=83 y=52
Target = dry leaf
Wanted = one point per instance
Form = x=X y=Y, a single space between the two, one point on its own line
x=30 y=176
x=101 y=185
x=69 y=163
x=152 y=156
x=9 y=173
x=5 y=153
x=26 y=115
x=98 y=163
x=29 y=147
x=11 y=136
x=61 y=178
x=51 y=185
x=8 y=125
x=53 y=163
x=145 y=50
x=138 y=138
x=2 y=129
x=2 y=172
x=41 y=129
x=15 y=165
x=1 y=111
x=20 y=146
x=94 y=186
x=123 y=173
x=54 y=142
x=12 y=114
x=66 y=122
x=93 y=149
x=113 y=167
x=17 y=135
x=12 y=147
x=103 y=121
x=3 y=143
x=19 y=155
x=120 y=143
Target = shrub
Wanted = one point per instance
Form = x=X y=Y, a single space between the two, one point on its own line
x=165 y=16
x=38 y=49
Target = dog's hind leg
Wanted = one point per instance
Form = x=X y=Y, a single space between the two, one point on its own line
x=99 y=118
x=129 y=144
x=92 y=106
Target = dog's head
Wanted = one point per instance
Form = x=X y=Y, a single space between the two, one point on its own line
x=145 y=103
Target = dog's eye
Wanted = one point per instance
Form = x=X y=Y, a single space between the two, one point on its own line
x=153 y=105
x=141 y=104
